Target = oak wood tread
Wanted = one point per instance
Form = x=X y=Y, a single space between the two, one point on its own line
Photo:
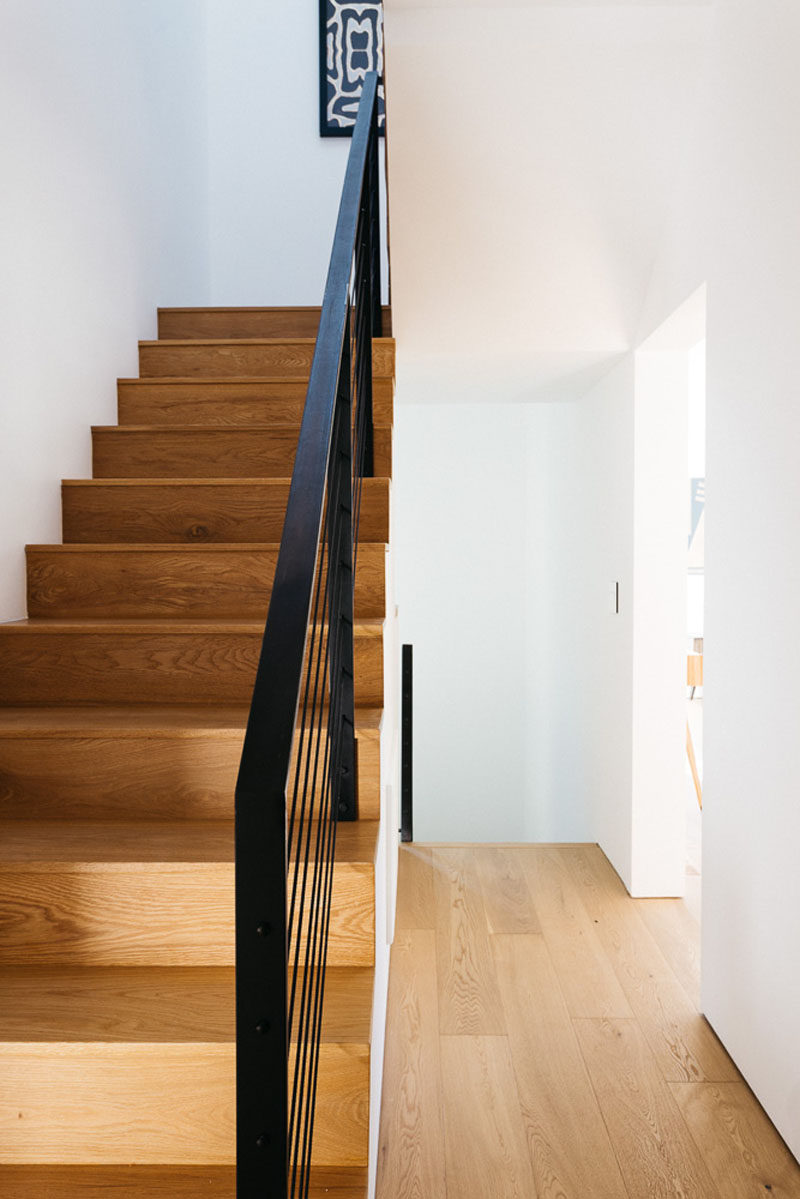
x=207 y=451
x=146 y=762
x=159 y=1182
x=235 y=357
x=87 y=1004
x=282 y=320
x=217 y=581
x=83 y=624
x=169 y=400
x=168 y=721
x=196 y=511
x=106 y=661
x=142 y=893
x=81 y=845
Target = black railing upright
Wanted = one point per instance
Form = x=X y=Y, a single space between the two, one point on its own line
x=297 y=775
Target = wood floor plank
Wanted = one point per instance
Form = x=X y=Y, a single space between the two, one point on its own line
x=744 y=1152
x=411 y=1161
x=656 y=1152
x=487 y=1156
x=557 y=1102
x=584 y=972
x=682 y=1041
x=415 y=898
x=469 y=1001
x=506 y=895
x=676 y=931
x=598 y=1117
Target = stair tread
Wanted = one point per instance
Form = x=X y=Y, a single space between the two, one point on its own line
x=172 y=342
x=85 y=624
x=160 y=1182
x=134 y=721
x=255 y=427
x=86 y=844
x=199 y=381
x=157 y=1004
x=122 y=547
x=201 y=481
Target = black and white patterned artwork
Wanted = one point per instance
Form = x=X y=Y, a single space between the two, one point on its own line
x=351 y=44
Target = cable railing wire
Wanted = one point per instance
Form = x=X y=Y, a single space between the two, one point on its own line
x=297 y=777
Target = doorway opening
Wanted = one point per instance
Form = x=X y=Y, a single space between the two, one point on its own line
x=695 y=622
x=669 y=476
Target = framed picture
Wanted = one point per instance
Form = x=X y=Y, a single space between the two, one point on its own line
x=350 y=45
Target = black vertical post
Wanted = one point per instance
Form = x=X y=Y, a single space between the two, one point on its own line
x=340 y=529
x=407 y=746
x=373 y=187
x=262 y=1048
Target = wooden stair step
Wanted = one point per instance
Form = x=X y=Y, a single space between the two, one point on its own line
x=189 y=323
x=138 y=1065
x=103 y=893
x=175 y=401
x=152 y=661
x=97 y=1004
x=196 y=511
x=153 y=452
x=157 y=763
x=284 y=357
x=194 y=581
x=160 y=1182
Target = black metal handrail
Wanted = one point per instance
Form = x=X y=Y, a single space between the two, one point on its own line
x=297 y=775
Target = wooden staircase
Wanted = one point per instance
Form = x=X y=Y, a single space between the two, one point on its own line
x=124 y=701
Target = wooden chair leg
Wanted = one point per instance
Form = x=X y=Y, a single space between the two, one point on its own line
x=693 y=766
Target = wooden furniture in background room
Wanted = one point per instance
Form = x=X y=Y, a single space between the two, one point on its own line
x=694 y=679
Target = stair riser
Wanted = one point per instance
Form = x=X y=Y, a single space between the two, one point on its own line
x=287 y=359
x=224 y=402
x=196 y=513
x=181 y=667
x=192 y=582
x=204 y=323
x=159 y=778
x=144 y=914
x=208 y=454
x=142 y=1103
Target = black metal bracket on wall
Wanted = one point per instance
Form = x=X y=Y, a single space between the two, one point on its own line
x=407 y=745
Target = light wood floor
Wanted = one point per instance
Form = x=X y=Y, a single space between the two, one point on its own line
x=544 y=1041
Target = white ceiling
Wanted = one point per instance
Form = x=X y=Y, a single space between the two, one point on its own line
x=533 y=154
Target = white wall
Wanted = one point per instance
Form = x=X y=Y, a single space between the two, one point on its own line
x=459 y=504
x=102 y=107
x=511 y=521
x=751 y=814
x=275 y=183
x=579 y=663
